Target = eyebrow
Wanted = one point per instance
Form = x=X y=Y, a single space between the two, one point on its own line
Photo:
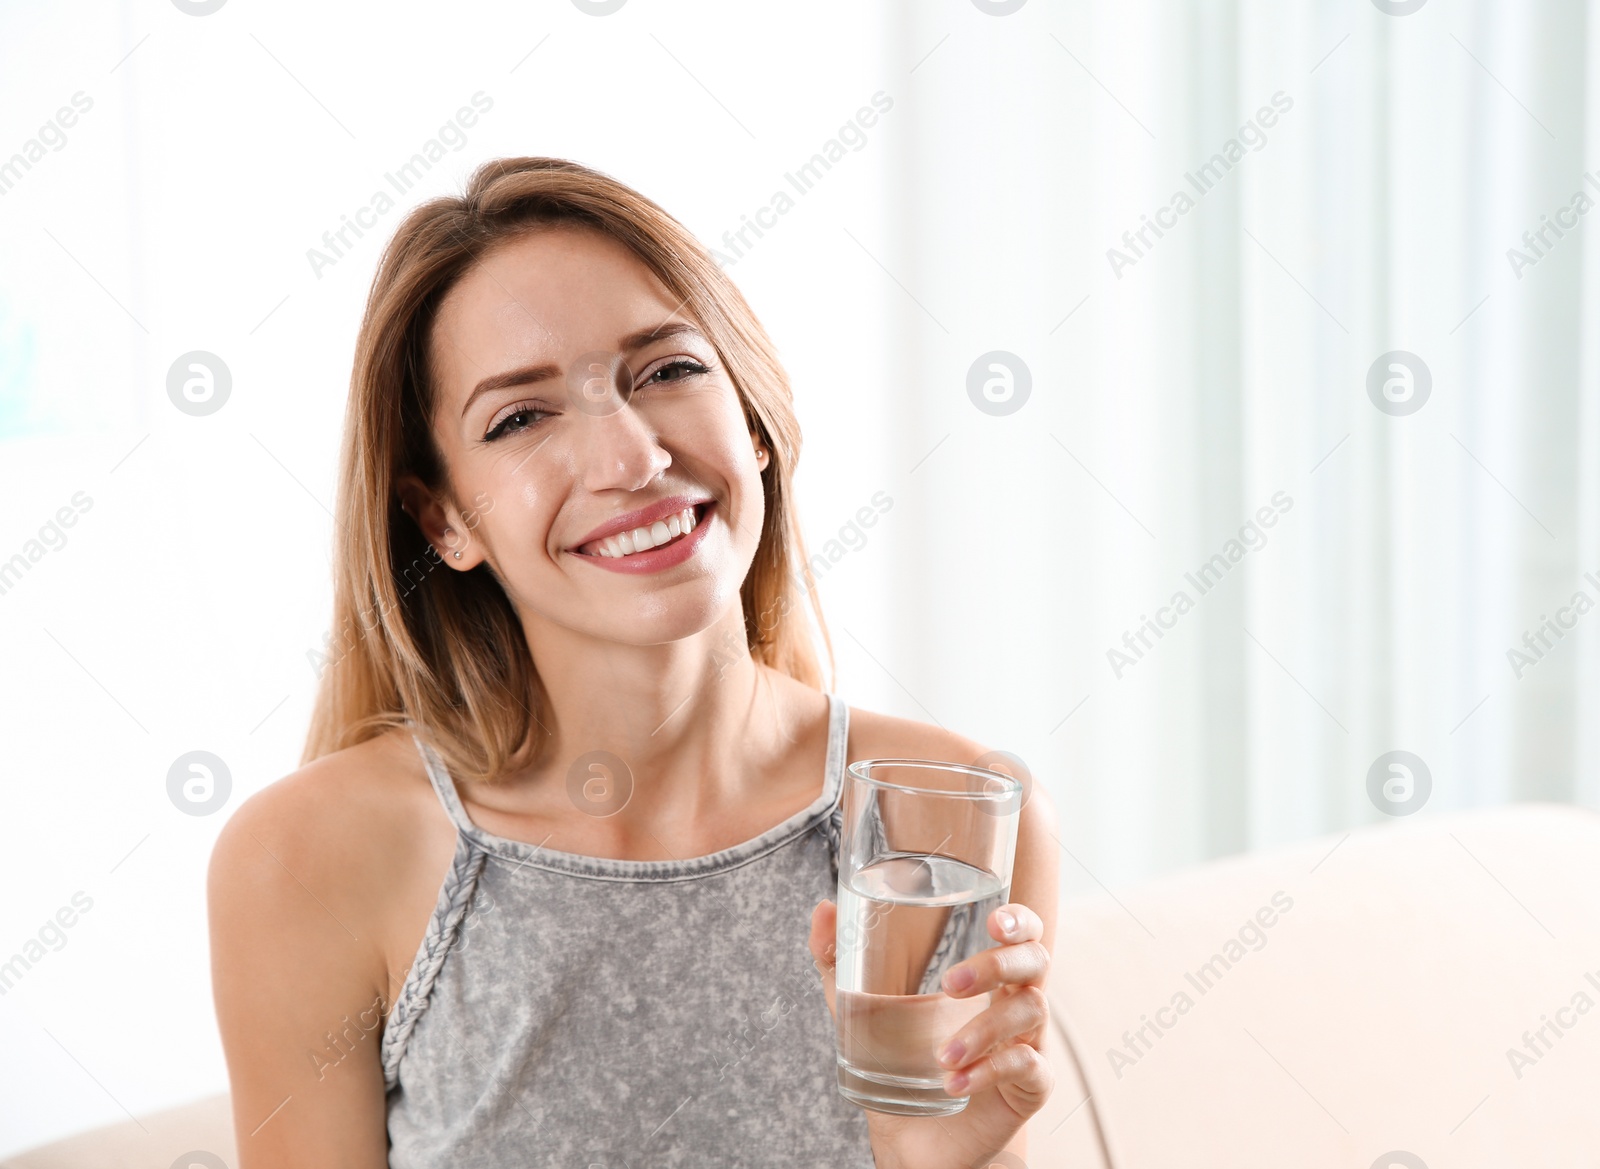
x=531 y=374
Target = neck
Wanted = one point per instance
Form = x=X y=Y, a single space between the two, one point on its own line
x=692 y=720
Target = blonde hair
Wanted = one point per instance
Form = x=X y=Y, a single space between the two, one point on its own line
x=443 y=652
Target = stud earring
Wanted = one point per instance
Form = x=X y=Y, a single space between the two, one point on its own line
x=458 y=556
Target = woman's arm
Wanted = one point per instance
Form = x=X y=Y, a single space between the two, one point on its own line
x=299 y=981
x=1035 y=882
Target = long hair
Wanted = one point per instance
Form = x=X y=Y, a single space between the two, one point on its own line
x=444 y=652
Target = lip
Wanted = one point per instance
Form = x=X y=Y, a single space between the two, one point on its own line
x=655 y=559
x=641 y=518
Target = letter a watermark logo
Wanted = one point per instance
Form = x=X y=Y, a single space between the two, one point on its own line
x=999 y=383
x=1399 y=382
x=198 y=383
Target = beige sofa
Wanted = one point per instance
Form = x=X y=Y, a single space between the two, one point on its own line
x=1408 y=995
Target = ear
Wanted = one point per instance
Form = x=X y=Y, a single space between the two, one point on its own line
x=440 y=523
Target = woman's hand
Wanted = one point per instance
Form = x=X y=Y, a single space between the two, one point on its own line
x=1000 y=1066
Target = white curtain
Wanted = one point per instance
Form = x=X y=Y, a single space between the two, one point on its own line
x=1223 y=364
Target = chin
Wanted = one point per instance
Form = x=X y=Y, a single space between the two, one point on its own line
x=672 y=613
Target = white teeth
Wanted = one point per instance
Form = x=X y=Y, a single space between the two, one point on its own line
x=643 y=539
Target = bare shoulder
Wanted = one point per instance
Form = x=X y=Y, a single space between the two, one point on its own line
x=361 y=800
x=319 y=892
x=357 y=784
x=344 y=841
x=884 y=736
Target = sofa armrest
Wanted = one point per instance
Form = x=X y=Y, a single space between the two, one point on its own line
x=154 y=1141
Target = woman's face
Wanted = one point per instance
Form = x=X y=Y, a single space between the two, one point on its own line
x=573 y=390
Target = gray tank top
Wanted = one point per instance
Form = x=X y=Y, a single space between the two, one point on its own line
x=584 y=1012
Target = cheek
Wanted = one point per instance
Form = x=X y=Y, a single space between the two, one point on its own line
x=513 y=504
x=707 y=439
x=528 y=518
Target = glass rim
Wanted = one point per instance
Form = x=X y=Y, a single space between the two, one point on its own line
x=936 y=765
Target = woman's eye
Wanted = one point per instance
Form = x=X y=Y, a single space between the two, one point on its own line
x=518 y=420
x=528 y=417
x=675 y=371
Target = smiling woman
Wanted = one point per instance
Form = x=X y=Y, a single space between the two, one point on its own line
x=563 y=837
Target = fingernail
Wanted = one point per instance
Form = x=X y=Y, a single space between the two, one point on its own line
x=957 y=1082
x=959 y=979
x=952 y=1052
x=1007 y=922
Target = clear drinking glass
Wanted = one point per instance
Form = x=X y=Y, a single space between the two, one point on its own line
x=924 y=857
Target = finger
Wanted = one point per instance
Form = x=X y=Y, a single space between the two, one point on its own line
x=824 y=918
x=1023 y=963
x=1020 y=1070
x=1027 y=926
x=1007 y=1019
x=822 y=940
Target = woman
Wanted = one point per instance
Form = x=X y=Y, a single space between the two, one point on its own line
x=538 y=893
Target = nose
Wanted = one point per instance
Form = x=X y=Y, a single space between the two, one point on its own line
x=618 y=450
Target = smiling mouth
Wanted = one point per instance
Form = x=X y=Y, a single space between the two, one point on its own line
x=659 y=534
